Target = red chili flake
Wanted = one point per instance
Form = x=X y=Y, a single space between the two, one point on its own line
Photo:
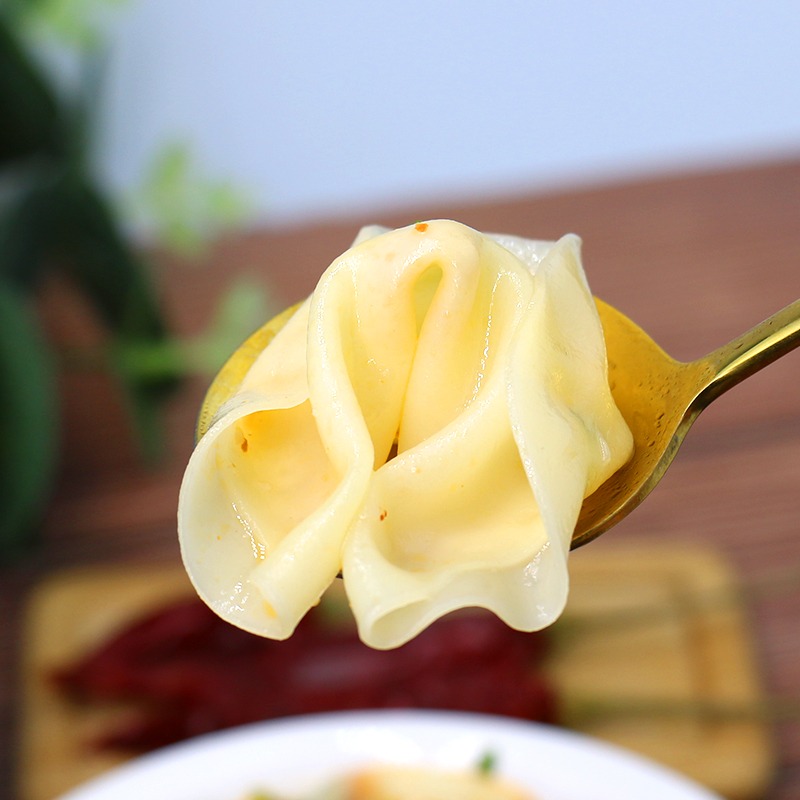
x=421 y=226
x=245 y=444
x=383 y=515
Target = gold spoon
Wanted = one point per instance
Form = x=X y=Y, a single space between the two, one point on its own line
x=232 y=374
x=658 y=396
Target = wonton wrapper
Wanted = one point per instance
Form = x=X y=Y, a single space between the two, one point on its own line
x=480 y=360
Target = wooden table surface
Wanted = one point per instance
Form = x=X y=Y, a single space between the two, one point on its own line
x=694 y=258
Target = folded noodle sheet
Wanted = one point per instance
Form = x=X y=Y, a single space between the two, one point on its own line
x=428 y=423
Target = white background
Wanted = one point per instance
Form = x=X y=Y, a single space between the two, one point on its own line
x=331 y=107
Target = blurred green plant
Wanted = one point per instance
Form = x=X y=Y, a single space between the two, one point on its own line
x=183 y=207
x=55 y=215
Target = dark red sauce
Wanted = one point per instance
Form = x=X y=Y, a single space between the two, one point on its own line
x=186 y=672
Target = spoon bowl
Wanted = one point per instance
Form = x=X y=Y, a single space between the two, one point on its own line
x=658 y=397
x=229 y=378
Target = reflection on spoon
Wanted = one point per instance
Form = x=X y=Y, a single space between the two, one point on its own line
x=660 y=398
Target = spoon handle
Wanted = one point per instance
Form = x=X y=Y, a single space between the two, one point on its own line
x=752 y=351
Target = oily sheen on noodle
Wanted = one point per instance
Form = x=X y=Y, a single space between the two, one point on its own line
x=427 y=423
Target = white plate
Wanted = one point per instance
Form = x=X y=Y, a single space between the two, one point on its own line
x=297 y=754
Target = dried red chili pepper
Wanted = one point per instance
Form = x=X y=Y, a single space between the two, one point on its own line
x=188 y=672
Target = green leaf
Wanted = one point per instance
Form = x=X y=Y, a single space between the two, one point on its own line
x=91 y=246
x=244 y=307
x=78 y=24
x=185 y=208
x=143 y=364
x=115 y=278
x=145 y=406
x=28 y=424
x=31 y=117
x=28 y=212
